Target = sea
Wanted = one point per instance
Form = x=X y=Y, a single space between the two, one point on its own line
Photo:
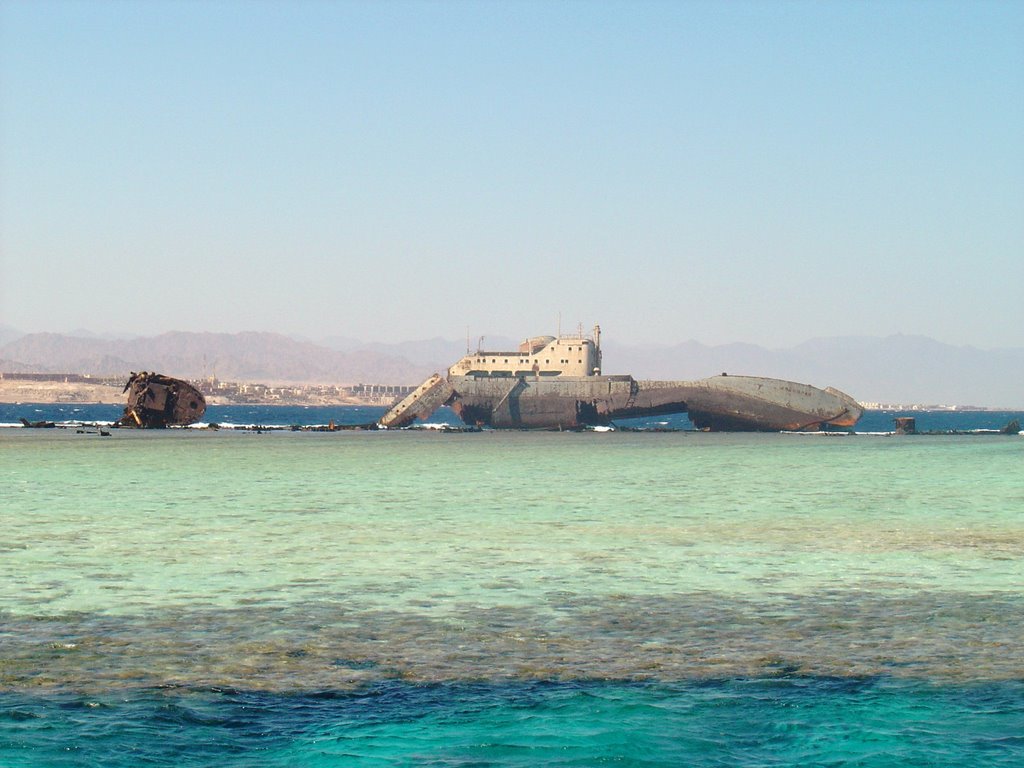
x=264 y=595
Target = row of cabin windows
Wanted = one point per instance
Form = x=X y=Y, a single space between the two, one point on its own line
x=494 y=360
x=546 y=362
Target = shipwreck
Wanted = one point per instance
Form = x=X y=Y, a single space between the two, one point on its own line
x=556 y=382
x=156 y=401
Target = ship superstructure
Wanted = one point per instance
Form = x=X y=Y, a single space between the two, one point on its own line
x=546 y=356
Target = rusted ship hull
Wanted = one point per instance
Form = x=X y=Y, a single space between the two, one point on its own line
x=521 y=403
x=754 y=403
x=720 y=403
x=156 y=401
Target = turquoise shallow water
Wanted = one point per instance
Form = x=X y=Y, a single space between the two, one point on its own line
x=510 y=598
x=835 y=722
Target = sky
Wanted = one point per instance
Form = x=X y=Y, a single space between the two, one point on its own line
x=759 y=172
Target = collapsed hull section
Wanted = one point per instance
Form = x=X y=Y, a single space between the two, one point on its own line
x=719 y=403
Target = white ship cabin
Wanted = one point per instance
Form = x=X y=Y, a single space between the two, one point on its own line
x=577 y=355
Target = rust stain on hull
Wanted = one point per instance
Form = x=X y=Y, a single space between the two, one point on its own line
x=712 y=404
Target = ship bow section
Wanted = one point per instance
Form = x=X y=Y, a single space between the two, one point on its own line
x=751 y=403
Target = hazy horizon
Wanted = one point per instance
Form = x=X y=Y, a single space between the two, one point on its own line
x=892 y=369
x=606 y=337
x=750 y=172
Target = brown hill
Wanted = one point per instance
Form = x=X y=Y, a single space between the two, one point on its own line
x=246 y=356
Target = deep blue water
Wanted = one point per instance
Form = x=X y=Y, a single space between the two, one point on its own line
x=277 y=415
x=733 y=722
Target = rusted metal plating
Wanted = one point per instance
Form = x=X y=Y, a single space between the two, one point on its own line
x=156 y=401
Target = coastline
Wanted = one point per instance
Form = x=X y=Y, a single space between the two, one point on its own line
x=15 y=391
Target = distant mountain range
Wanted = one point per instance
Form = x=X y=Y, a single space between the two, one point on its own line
x=894 y=369
x=250 y=356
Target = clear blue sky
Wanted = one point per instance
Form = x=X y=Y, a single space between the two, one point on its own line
x=764 y=172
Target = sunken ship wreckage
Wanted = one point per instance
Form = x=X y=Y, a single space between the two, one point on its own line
x=156 y=401
x=556 y=383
